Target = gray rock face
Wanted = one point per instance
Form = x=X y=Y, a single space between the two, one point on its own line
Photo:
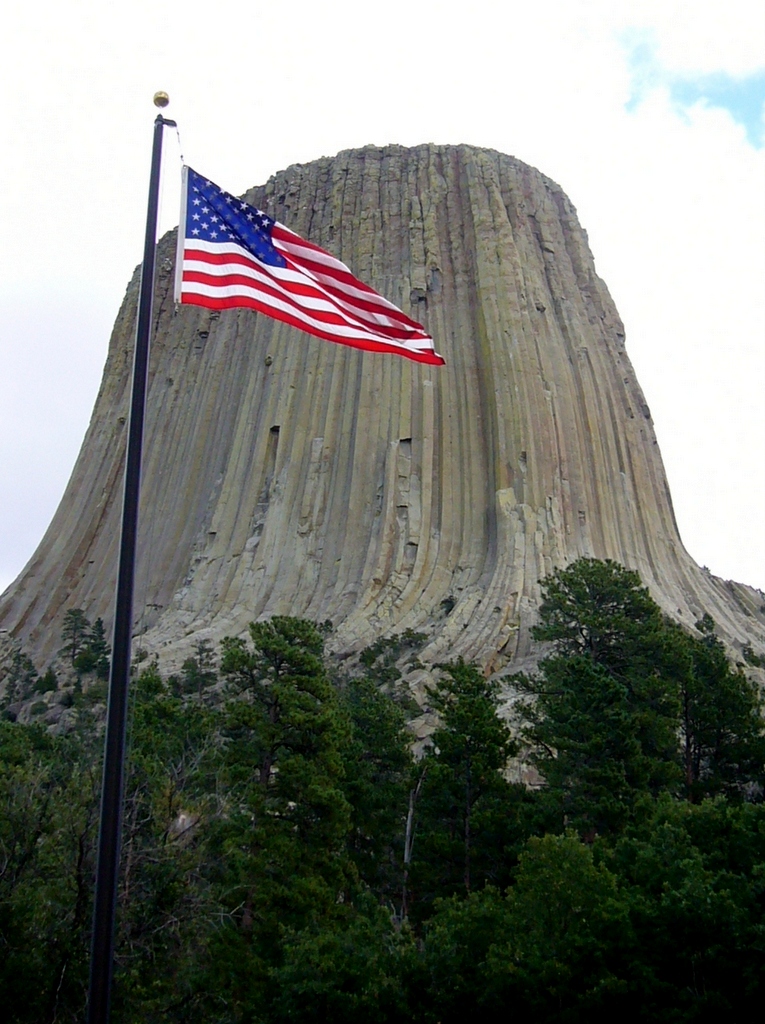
x=287 y=475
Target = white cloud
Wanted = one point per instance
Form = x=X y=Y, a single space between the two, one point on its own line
x=704 y=35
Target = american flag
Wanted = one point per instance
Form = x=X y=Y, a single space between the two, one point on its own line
x=232 y=254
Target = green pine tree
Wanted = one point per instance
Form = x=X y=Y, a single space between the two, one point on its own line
x=95 y=652
x=75 y=632
x=377 y=764
x=603 y=713
x=581 y=725
x=22 y=677
x=601 y=611
x=279 y=843
x=464 y=811
x=722 y=729
x=198 y=672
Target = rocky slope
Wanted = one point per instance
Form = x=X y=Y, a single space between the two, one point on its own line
x=284 y=474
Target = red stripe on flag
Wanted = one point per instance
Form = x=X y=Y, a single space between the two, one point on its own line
x=425 y=356
x=351 y=304
x=329 y=316
x=300 y=294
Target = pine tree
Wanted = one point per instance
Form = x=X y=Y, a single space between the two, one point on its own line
x=95 y=652
x=287 y=817
x=466 y=811
x=603 y=715
x=601 y=611
x=74 y=633
x=585 y=742
x=199 y=671
x=22 y=677
x=722 y=729
x=377 y=764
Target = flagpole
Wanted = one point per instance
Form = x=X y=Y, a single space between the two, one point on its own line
x=110 y=827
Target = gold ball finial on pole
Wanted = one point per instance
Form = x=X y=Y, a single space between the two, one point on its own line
x=161 y=99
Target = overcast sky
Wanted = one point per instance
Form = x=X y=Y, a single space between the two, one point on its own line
x=648 y=114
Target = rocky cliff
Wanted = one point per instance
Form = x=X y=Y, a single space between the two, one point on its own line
x=284 y=474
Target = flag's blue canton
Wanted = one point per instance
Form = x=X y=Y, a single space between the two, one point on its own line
x=213 y=215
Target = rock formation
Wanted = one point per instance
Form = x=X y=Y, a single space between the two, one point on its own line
x=284 y=474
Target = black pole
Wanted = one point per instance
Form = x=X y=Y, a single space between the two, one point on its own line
x=102 y=946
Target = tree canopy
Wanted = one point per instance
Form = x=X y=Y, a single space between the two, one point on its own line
x=286 y=857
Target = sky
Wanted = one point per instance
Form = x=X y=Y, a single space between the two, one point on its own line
x=648 y=113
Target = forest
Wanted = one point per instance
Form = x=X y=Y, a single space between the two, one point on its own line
x=290 y=855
